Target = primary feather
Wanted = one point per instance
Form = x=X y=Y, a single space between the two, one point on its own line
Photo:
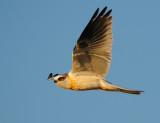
x=92 y=51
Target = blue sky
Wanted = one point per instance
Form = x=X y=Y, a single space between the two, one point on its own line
x=37 y=37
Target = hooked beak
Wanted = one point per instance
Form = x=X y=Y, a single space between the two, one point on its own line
x=55 y=81
x=50 y=76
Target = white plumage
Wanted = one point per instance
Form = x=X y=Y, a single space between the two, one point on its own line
x=91 y=58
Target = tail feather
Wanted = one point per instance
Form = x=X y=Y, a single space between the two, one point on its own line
x=130 y=91
x=111 y=87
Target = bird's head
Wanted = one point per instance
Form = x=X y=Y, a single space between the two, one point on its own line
x=59 y=79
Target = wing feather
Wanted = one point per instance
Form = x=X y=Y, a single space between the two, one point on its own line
x=92 y=52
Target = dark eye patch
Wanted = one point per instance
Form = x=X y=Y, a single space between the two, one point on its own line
x=61 y=78
x=56 y=75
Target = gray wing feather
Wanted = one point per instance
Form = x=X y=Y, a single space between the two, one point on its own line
x=92 y=52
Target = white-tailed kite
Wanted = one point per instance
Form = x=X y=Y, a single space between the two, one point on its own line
x=91 y=58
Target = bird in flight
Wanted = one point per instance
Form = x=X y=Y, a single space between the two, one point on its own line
x=91 y=58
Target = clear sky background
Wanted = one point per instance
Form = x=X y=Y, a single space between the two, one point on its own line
x=37 y=37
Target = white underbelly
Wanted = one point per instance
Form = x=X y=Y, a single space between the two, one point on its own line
x=86 y=82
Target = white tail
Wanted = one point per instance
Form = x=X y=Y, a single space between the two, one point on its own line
x=111 y=87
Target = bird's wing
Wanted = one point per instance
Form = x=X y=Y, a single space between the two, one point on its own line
x=92 y=52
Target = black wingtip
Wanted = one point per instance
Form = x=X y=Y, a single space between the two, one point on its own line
x=105 y=8
x=102 y=12
x=95 y=14
x=97 y=10
x=108 y=13
x=50 y=76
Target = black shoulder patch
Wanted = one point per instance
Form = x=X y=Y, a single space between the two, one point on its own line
x=83 y=44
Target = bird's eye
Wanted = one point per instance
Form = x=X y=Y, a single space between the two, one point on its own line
x=61 y=78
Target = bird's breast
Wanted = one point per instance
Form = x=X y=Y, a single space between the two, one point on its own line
x=74 y=83
x=84 y=82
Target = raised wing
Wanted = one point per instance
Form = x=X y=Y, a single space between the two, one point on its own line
x=92 y=52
